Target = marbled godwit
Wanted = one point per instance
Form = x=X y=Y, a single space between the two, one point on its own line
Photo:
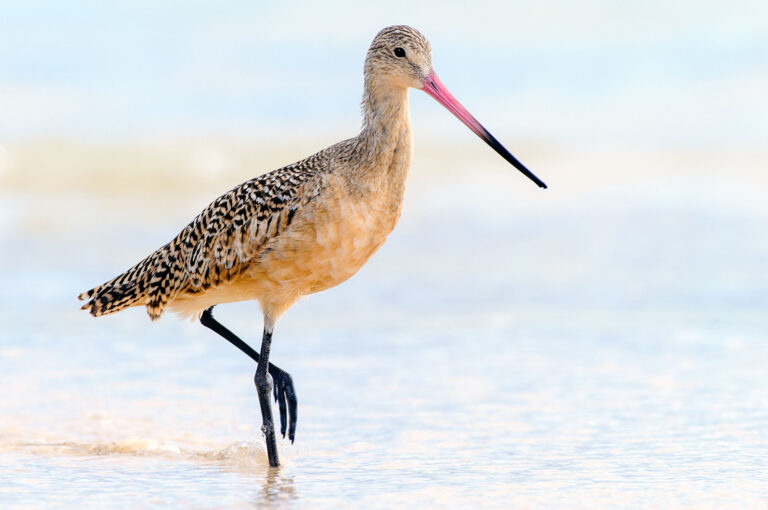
x=300 y=229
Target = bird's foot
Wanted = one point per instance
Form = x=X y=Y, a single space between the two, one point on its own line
x=285 y=396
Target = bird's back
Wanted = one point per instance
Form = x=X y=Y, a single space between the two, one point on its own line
x=217 y=246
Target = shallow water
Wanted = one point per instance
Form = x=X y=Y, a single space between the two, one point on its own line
x=561 y=350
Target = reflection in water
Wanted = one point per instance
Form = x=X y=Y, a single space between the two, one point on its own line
x=278 y=488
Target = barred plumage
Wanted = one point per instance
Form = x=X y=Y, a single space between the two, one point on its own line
x=215 y=247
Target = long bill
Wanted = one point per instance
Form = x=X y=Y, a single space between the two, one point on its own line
x=435 y=88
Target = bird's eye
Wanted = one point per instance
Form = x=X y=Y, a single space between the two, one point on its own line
x=399 y=52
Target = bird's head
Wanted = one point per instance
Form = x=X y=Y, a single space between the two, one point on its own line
x=400 y=56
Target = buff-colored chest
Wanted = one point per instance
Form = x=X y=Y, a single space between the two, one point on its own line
x=335 y=234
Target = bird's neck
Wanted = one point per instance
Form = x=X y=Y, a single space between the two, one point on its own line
x=386 y=120
x=383 y=151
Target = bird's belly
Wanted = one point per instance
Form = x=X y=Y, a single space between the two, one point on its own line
x=330 y=245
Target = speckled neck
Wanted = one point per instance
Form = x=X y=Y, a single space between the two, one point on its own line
x=386 y=119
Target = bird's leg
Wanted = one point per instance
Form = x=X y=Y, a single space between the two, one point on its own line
x=284 y=392
x=264 y=387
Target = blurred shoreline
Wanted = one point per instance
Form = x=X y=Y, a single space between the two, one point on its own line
x=113 y=168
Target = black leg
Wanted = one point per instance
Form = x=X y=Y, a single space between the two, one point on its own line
x=264 y=388
x=284 y=392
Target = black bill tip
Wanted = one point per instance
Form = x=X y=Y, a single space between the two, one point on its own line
x=504 y=153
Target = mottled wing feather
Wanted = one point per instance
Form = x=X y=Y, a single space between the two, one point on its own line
x=235 y=228
x=222 y=241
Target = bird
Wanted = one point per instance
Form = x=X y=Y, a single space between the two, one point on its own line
x=300 y=229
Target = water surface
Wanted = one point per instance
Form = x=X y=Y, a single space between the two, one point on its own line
x=505 y=348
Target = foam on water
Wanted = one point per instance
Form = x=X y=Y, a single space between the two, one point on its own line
x=245 y=454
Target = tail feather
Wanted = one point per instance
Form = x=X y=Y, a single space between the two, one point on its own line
x=153 y=282
x=110 y=299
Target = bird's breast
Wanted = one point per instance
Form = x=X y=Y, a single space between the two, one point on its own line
x=336 y=233
x=334 y=236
